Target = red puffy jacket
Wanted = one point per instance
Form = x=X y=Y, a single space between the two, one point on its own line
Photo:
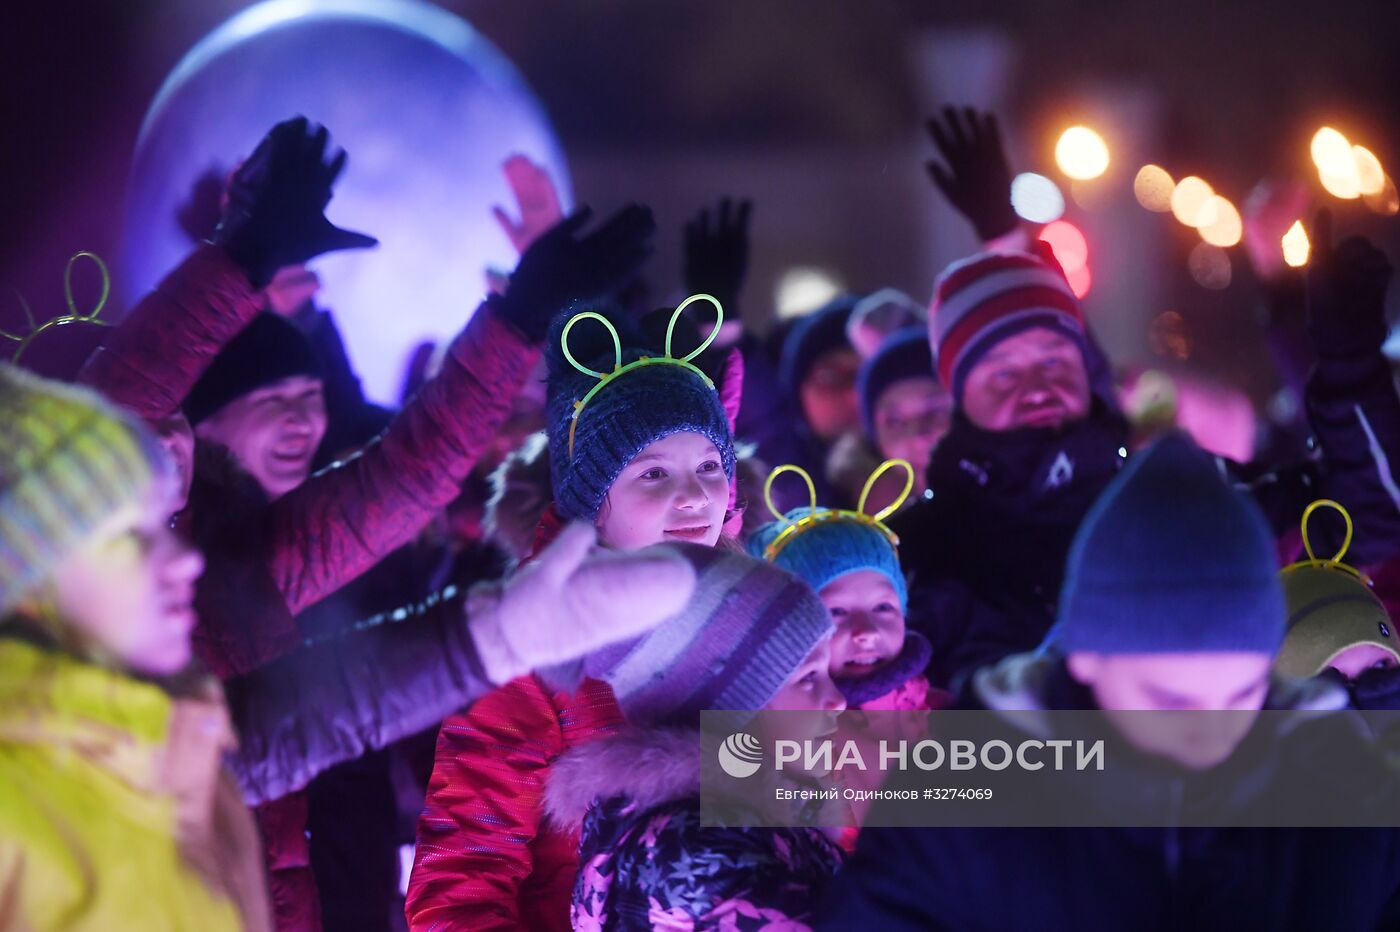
x=484 y=860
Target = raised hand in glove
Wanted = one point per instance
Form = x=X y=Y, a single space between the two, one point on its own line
x=717 y=252
x=974 y=175
x=565 y=265
x=1346 y=293
x=574 y=599
x=277 y=199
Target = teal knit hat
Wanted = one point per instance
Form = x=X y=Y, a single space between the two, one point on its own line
x=69 y=461
x=820 y=545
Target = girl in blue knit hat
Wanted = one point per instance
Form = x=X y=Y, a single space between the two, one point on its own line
x=640 y=446
x=850 y=559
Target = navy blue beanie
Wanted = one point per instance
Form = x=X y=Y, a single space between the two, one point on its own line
x=1171 y=559
x=905 y=354
x=624 y=417
x=819 y=332
x=825 y=552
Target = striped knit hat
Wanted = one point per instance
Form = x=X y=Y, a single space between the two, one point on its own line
x=746 y=630
x=986 y=298
x=68 y=462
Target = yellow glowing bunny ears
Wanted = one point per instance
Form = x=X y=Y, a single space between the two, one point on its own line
x=73 y=316
x=619 y=369
x=823 y=515
x=1335 y=561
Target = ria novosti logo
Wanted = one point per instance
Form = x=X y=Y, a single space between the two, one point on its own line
x=740 y=755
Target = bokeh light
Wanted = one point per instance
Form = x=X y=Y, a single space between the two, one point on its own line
x=1296 y=246
x=1331 y=152
x=1168 y=337
x=1069 y=245
x=1153 y=188
x=1224 y=228
x=1210 y=266
x=1079 y=281
x=1081 y=153
x=1387 y=202
x=804 y=288
x=1369 y=173
x=1036 y=198
x=1188 y=197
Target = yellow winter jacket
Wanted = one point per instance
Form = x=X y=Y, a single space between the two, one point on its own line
x=111 y=817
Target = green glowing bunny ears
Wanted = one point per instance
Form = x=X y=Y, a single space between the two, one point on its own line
x=619 y=369
x=73 y=316
x=819 y=516
x=1333 y=562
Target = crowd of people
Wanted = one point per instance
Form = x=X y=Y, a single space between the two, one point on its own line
x=259 y=635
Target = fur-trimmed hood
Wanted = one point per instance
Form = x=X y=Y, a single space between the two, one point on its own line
x=649 y=766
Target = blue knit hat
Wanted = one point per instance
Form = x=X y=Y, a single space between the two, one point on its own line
x=631 y=411
x=1171 y=559
x=905 y=354
x=830 y=550
x=819 y=332
x=746 y=630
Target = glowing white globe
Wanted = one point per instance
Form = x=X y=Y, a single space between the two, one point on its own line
x=427 y=109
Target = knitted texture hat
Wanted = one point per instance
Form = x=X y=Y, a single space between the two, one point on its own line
x=1171 y=559
x=827 y=551
x=69 y=461
x=746 y=630
x=629 y=413
x=986 y=298
x=1329 y=611
x=819 y=332
x=905 y=354
x=268 y=350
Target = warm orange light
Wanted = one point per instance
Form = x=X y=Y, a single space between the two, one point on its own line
x=1153 y=188
x=1331 y=151
x=1296 y=246
x=1188 y=197
x=1081 y=153
x=1369 y=173
x=1387 y=202
x=1225 y=228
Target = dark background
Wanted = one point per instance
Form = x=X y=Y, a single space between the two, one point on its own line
x=813 y=108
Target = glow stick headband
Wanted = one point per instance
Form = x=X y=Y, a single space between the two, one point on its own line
x=72 y=317
x=619 y=369
x=1335 y=561
x=818 y=516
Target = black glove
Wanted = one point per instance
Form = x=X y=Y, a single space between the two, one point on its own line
x=976 y=179
x=717 y=254
x=562 y=266
x=277 y=200
x=1346 y=293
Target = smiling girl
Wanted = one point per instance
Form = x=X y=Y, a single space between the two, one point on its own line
x=641 y=445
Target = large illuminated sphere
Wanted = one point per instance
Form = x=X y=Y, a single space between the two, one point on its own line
x=427 y=109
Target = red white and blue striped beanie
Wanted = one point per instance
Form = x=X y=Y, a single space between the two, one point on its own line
x=984 y=299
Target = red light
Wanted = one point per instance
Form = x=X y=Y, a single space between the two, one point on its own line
x=1079 y=280
x=1070 y=248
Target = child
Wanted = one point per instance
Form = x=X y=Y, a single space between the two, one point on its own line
x=116 y=814
x=850 y=559
x=646 y=859
x=903 y=408
x=646 y=455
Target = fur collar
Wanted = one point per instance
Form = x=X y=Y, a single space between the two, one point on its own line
x=649 y=766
